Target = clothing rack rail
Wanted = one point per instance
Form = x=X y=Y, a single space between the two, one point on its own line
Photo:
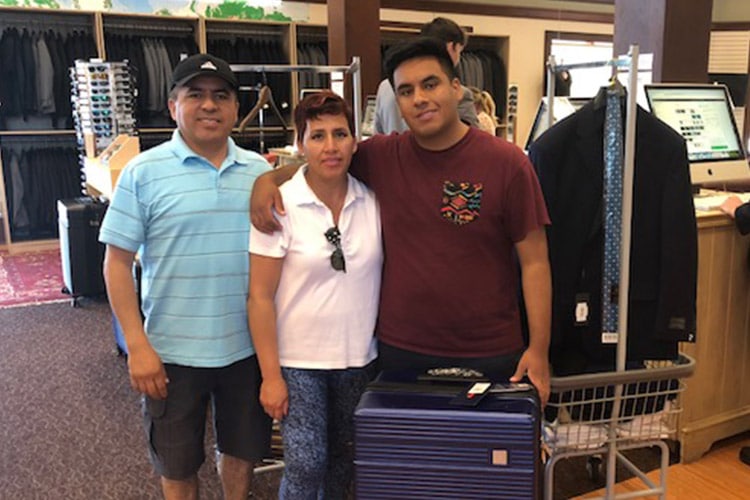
x=148 y=28
x=46 y=24
x=312 y=36
x=353 y=69
x=38 y=140
x=241 y=31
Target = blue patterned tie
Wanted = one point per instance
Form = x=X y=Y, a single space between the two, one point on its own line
x=613 y=155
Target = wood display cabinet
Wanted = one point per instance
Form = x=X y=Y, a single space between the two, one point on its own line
x=36 y=127
x=716 y=402
x=112 y=36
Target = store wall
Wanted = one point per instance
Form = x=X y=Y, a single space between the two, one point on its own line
x=526 y=60
x=731 y=11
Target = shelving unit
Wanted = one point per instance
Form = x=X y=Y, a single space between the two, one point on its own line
x=102 y=26
x=29 y=131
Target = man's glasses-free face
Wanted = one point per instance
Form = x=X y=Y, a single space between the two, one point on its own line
x=333 y=235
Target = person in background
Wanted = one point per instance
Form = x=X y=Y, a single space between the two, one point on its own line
x=460 y=210
x=387 y=114
x=313 y=302
x=485 y=108
x=740 y=212
x=183 y=206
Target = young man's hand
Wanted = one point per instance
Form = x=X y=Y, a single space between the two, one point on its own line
x=266 y=199
x=536 y=366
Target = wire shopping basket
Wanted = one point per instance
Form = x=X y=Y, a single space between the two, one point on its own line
x=592 y=414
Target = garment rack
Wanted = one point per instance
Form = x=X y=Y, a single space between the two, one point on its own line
x=353 y=69
x=630 y=63
x=581 y=392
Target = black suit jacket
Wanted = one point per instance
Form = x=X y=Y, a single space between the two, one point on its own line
x=663 y=270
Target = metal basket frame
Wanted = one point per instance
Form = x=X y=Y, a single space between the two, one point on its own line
x=607 y=413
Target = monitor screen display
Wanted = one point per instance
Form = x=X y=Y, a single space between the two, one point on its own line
x=703 y=115
x=368 y=121
x=561 y=108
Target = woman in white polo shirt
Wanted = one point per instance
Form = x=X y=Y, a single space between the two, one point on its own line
x=314 y=289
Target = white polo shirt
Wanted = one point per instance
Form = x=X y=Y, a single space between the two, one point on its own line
x=325 y=318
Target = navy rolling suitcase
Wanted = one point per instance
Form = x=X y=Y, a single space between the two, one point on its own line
x=425 y=441
x=81 y=253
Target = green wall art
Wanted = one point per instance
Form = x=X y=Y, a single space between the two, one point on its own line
x=214 y=9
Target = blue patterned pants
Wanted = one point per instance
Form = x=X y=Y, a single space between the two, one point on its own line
x=318 y=432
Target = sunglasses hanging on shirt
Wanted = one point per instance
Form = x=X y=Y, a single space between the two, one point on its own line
x=338 y=263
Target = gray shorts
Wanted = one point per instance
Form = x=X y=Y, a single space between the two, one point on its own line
x=175 y=426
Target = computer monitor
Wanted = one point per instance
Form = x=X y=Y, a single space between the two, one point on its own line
x=308 y=92
x=562 y=108
x=368 y=122
x=736 y=84
x=702 y=114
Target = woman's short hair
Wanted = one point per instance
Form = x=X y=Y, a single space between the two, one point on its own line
x=320 y=103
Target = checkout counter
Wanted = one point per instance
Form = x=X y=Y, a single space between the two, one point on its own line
x=716 y=403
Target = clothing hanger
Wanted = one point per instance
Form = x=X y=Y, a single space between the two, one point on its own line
x=265 y=97
x=613 y=86
x=263 y=94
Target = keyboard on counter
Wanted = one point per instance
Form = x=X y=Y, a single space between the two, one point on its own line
x=712 y=200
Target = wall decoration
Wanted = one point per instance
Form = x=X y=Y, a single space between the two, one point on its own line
x=214 y=9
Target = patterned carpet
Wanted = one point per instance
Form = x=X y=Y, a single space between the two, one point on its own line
x=30 y=278
x=71 y=425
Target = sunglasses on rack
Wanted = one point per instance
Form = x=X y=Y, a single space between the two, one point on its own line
x=338 y=263
x=103 y=133
x=85 y=119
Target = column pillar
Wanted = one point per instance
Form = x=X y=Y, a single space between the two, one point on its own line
x=677 y=32
x=354 y=30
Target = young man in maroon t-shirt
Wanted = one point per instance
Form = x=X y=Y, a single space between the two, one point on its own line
x=460 y=210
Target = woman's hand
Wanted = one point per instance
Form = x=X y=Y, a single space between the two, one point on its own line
x=274 y=398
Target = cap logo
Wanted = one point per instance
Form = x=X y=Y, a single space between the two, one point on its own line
x=209 y=65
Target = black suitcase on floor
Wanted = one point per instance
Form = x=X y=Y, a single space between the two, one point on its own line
x=81 y=254
x=122 y=348
x=414 y=441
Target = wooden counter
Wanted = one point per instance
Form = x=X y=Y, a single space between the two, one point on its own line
x=717 y=399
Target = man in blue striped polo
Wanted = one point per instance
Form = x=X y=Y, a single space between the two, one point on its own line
x=183 y=207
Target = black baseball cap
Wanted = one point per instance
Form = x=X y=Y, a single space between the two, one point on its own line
x=203 y=64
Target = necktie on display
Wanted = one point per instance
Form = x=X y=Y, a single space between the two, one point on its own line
x=612 y=187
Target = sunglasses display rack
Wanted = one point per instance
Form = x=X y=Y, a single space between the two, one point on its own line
x=103 y=102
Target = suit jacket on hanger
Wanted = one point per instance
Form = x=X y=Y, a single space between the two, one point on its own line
x=663 y=265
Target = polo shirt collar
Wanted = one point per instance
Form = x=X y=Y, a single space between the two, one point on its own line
x=183 y=151
x=305 y=196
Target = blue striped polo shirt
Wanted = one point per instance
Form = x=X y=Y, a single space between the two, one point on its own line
x=190 y=224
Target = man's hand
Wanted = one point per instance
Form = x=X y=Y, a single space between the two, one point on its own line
x=274 y=397
x=147 y=374
x=536 y=366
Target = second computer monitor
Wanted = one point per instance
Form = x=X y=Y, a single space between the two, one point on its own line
x=702 y=114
